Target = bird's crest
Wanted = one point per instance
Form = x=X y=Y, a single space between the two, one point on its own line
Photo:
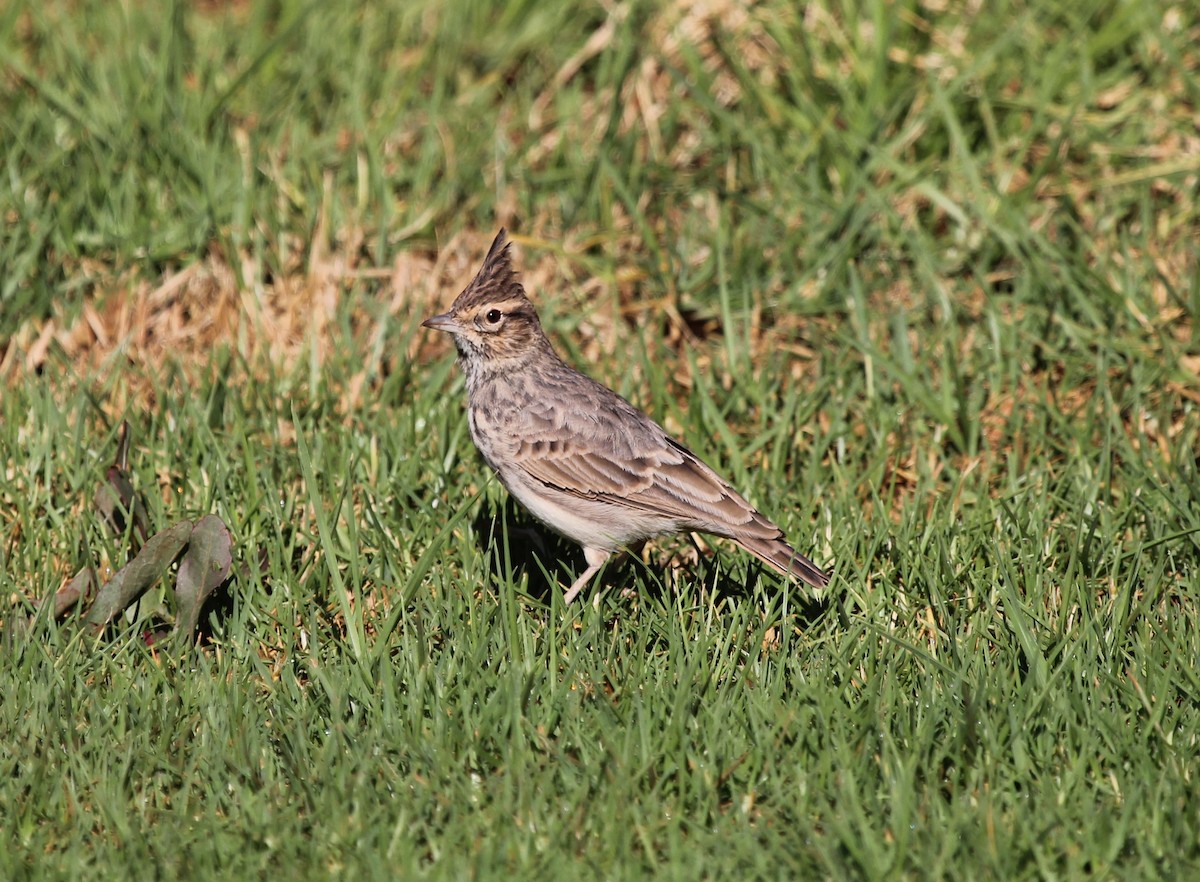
x=496 y=279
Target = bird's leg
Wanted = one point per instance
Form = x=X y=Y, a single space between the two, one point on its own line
x=595 y=558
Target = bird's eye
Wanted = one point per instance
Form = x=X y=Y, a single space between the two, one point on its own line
x=493 y=316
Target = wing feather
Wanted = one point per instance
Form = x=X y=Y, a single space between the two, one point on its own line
x=626 y=458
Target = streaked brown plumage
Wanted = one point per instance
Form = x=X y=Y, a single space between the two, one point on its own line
x=580 y=457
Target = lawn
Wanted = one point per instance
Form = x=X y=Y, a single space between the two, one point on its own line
x=922 y=279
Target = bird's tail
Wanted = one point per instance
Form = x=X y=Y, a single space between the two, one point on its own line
x=784 y=558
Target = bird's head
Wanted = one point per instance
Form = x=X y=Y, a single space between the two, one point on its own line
x=494 y=325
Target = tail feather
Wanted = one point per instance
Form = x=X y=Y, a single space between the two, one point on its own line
x=784 y=558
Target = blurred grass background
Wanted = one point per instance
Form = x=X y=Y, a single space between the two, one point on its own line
x=921 y=278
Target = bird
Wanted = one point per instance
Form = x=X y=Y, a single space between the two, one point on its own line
x=579 y=457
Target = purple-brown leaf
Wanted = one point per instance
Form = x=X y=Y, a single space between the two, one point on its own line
x=118 y=500
x=75 y=591
x=206 y=565
x=132 y=580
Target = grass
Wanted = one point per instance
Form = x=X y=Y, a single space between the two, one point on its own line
x=921 y=279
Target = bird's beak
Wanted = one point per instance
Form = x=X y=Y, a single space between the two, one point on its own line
x=444 y=322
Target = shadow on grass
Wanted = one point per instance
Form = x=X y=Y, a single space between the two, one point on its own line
x=516 y=545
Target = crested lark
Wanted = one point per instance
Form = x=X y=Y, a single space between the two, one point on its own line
x=577 y=455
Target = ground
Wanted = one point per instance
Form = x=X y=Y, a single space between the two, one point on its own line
x=922 y=280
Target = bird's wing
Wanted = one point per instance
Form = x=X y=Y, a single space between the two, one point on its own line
x=617 y=454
